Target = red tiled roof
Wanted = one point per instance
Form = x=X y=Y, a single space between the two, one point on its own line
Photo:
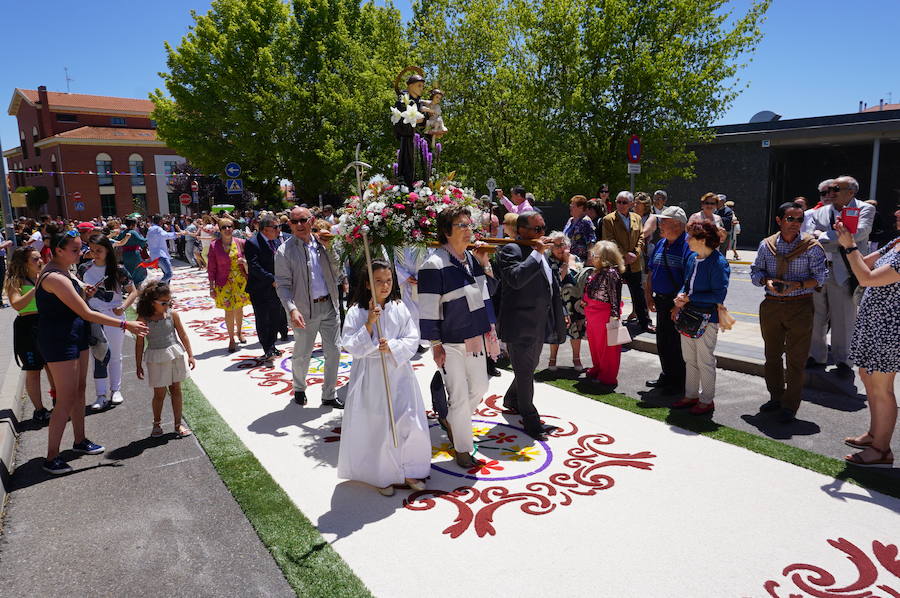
x=886 y=107
x=78 y=101
x=103 y=134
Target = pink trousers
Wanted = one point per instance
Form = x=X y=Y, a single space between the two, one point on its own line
x=605 y=358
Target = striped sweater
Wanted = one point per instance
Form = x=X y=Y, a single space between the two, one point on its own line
x=453 y=304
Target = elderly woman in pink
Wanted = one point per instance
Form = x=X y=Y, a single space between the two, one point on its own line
x=227 y=270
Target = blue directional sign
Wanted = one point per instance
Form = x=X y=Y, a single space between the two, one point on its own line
x=79 y=206
x=234 y=186
x=233 y=169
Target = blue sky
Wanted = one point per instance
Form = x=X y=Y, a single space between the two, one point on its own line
x=817 y=57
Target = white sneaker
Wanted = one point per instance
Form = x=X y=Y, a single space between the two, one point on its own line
x=100 y=403
x=117 y=398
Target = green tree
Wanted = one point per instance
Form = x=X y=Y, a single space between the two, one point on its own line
x=607 y=69
x=228 y=82
x=35 y=197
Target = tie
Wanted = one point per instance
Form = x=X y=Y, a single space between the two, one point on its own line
x=272 y=245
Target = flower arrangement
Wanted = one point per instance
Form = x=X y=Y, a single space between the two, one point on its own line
x=396 y=216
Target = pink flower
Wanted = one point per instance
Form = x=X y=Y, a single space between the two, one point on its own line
x=413 y=196
x=399 y=206
x=385 y=213
x=457 y=193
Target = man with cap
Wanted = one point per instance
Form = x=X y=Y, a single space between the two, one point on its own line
x=86 y=230
x=415 y=85
x=667 y=265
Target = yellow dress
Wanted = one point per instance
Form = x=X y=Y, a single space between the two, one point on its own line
x=233 y=295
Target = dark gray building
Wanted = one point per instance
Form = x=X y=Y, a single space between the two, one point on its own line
x=759 y=165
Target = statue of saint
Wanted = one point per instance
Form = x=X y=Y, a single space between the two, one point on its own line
x=406 y=122
x=434 y=126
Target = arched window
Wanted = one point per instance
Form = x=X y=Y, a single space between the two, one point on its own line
x=104 y=170
x=34 y=139
x=22 y=143
x=136 y=168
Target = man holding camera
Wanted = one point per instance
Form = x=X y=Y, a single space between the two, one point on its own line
x=790 y=266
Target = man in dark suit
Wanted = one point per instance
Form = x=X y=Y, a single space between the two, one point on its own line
x=531 y=311
x=260 y=253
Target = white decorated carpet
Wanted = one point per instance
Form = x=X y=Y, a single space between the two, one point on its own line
x=613 y=504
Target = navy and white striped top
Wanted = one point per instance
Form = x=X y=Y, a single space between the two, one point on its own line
x=454 y=303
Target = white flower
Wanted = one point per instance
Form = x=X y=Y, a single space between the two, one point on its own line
x=396 y=115
x=412 y=116
x=379 y=178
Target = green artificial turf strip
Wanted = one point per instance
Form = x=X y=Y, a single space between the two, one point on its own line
x=836 y=468
x=309 y=563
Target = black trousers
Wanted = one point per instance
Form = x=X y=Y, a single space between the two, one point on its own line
x=524 y=358
x=668 y=343
x=633 y=280
x=269 y=314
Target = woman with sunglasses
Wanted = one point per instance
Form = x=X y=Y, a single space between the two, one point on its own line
x=227 y=271
x=63 y=342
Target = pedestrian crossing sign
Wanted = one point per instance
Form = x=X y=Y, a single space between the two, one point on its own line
x=234 y=186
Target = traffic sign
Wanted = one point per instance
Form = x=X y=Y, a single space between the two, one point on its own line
x=195 y=186
x=185 y=199
x=634 y=168
x=234 y=186
x=634 y=149
x=76 y=195
x=79 y=206
x=233 y=169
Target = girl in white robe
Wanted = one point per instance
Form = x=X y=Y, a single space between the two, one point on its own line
x=367 y=451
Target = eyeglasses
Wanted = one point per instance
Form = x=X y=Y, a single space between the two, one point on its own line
x=793 y=218
x=300 y=220
x=224 y=226
x=710 y=203
x=464 y=225
x=538 y=229
x=622 y=201
x=830 y=189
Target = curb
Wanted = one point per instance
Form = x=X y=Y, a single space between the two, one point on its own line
x=725 y=361
x=10 y=413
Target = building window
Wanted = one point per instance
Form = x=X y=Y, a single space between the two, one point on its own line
x=174 y=204
x=168 y=167
x=67 y=118
x=136 y=168
x=34 y=139
x=108 y=204
x=24 y=147
x=152 y=124
x=117 y=121
x=104 y=170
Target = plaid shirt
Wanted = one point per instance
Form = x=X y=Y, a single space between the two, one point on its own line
x=805 y=266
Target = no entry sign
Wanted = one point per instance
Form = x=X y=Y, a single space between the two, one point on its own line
x=185 y=199
x=634 y=149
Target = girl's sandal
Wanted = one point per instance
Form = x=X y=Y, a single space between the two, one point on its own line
x=232 y=347
x=182 y=431
x=157 y=430
x=853 y=442
x=885 y=459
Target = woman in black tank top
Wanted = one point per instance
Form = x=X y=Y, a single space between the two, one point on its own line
x=63 y=340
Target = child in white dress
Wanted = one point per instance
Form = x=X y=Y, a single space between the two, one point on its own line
x=168 y=356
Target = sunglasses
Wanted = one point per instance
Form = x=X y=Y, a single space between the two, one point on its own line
x=538 y=229
x=710 y=203
x=224 y=226
x=69 y=234
x=622 y=201
x=831 y=189
x=300 y=220
x=793 y=218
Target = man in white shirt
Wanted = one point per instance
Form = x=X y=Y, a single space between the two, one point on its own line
x=156 y=247
x=835 y=303
x=827 y=189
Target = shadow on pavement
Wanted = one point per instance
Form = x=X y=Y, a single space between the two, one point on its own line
x=353 y=506
x=30 y=473
x=868 y=477
x=771 y=427
x=136 y=447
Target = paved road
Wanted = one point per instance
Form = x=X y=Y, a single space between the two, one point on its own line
x=150 y=517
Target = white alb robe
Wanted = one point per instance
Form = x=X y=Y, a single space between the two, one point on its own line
x=367 y=452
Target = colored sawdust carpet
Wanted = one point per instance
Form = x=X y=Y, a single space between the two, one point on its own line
x=612 y=504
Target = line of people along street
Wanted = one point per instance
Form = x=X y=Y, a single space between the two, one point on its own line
x=469 y=307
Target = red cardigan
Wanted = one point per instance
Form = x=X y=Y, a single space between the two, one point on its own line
x=218 y=262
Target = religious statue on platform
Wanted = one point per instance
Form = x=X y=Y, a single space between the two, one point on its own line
x=434 y=126
x=407 y=117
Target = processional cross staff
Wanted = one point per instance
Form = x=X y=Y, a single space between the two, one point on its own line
x=360 y=167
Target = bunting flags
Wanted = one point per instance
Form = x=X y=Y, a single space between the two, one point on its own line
x=41 y=171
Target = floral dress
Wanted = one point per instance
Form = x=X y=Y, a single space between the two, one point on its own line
x=875 y=345
x=233 y=295
x=571 y=288
x=582 y=235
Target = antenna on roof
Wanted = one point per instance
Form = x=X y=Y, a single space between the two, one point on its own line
x=68 y=79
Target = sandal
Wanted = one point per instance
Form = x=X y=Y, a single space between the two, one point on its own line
x=852 y=442
x=157 y=430
x=182 y=431
x=883 y=460
x=466 y=461
x=232 y=347
x=242 y=339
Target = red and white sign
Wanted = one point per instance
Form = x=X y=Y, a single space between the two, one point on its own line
x=185 y=199
x=634 y=149
x=195 y=186
x=76 y=195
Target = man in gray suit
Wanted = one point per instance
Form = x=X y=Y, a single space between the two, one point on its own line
x=835 y=303
x=306 y=278
x=531 y=312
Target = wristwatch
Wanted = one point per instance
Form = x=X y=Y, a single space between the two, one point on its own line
x=850 y=250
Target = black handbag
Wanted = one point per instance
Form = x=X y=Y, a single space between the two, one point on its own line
x=439 y=396
x=692 y=320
